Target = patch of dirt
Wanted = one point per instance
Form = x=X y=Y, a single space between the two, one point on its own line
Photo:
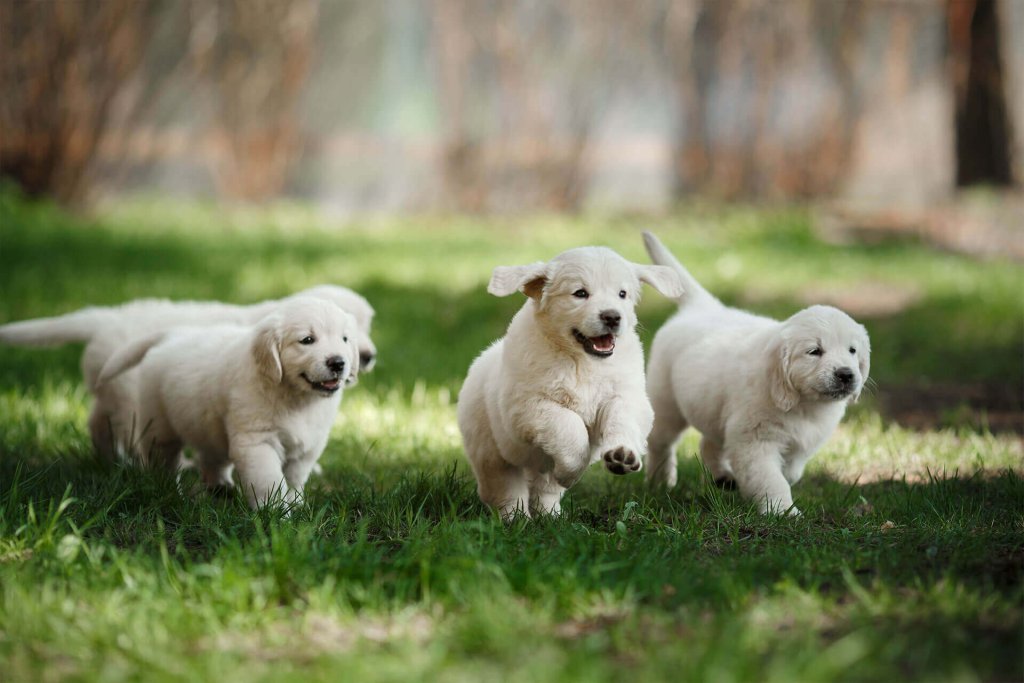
x=985 y=226
x=996 y=407
x=865 y=300
x=318 y=634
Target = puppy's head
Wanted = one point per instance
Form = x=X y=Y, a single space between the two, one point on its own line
x=308 y=345
x=822 y=354
x=584 y=298
x=360 y=309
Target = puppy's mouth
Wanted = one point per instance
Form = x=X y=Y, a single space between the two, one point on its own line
x=326 y=386
x=602 y=346
x=836 y=393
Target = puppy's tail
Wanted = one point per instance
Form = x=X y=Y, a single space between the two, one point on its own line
x=128 y=356
x=660 y=255
x=78 y=326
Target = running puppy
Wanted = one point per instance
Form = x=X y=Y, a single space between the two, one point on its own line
x=764 y=394
x=564 y=388
x=260 y=398
x=104 y=329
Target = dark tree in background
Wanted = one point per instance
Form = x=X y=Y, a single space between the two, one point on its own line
x=982 y=125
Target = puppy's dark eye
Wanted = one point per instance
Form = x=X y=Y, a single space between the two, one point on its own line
x=307 y=340
x=622 y=294
x=853 y=350
x=344 y=339
x=581 y=294
x=815 y=352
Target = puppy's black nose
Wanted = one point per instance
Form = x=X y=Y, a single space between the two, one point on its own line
x=844 y=375
x=611 y=318
x=335 y=364
x=366 y=360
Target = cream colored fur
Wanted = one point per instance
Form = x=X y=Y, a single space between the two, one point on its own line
x=536 y=408
x=106 y=329
x=764 y=394
x=257 y=398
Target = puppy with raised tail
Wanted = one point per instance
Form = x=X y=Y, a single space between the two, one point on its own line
x=260 y=399
x=764 y=394
x=565 y=387
x=105 y=329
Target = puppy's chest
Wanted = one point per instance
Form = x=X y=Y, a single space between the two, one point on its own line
x=801 y=436
x=304 y=433
x=583 y=399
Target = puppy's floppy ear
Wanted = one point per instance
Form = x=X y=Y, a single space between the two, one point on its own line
x=663 y=278
x=780 y=386
x=863 y=360
x=529 y=279
x=266 y=348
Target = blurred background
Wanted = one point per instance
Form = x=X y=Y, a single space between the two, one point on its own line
x=499 y=106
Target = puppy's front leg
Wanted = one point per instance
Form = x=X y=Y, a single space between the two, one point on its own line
x=758 y=469
x=296 y=473
x=623 y=435
x=561 y=434
x=259 y=471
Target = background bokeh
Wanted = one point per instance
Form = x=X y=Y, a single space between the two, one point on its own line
x=497 y=105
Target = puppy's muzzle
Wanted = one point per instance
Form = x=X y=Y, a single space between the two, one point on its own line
x=844 y=382
x=335 y=364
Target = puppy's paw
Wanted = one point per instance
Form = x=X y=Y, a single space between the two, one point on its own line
x=621 y=460
x=780 y=507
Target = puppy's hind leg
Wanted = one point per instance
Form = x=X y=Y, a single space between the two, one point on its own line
x=502 y=486
x=215 y=471
x=669 y=423
x=101 y=430
x=545 y=494
x=499 y=484
x=718 y=466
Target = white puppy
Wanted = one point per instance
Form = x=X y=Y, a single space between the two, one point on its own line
x=564 y=388
x=260 y=398
x=764 y=394
x=106 y=329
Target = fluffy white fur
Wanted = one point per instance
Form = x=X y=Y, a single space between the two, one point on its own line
x=106 y=329
x=260 y=399
x=764 y=394
x=565 y=386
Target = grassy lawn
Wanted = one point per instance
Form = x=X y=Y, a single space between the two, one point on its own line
x=907 y=563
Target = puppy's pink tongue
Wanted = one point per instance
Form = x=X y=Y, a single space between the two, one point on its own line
x=603 y=343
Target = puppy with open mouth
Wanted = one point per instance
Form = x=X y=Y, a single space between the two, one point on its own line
x=765 y=394
x=258 y=399
x=106 y=329
x=564 y=388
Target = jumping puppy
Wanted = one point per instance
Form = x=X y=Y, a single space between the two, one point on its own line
x=104 y=329
x=257 y=398
x=564 y=388
x=764 y=394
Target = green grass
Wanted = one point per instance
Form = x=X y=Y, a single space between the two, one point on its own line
x=906 y=565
